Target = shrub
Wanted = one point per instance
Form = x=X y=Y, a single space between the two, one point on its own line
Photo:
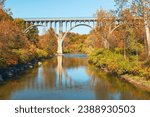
x=116 y=63
x=23 y=55
x=41 y=53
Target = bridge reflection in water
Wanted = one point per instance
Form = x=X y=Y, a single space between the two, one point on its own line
x=59 y=69
x=68 y=77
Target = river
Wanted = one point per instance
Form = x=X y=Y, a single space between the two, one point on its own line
x=68 y=77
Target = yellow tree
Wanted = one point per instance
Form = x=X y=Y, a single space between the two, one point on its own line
x=141 y=9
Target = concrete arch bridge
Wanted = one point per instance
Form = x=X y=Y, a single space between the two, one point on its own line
x=60 y=25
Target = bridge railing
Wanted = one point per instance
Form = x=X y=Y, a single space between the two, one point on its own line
x=60 y=19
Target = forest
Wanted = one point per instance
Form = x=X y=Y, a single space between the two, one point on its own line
x=120 y=44
x=124 y=49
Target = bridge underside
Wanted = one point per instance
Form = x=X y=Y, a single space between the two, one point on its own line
x=61 y=25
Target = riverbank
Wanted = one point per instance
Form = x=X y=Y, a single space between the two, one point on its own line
x=137 y=81
x=130 y=69
x=11 y=71
x=77 y=81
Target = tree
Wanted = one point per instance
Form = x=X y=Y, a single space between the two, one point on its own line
x=32 y=34
x=75 y=43
x=20 y=23
x=105 y=26
x=141 y=9
x=48 y=42
x=130 y=33
x=2 y=4
x=12 y=40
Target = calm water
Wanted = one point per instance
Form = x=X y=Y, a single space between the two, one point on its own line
x=68 y=77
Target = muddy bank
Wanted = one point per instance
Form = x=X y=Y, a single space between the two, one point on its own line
x=137 y=81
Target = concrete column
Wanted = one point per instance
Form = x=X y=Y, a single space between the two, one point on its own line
x=32 y=23
x=60 y=46
x=60 y=27
x=60 y=40
x=75 y=22
x=47 y=24
x=66 y=26
x=93 y=24
x=42 y=22
x=70 y=24
x=55 y=27
x=50 y=24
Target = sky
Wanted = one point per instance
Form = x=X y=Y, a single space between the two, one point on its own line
x=57 y=8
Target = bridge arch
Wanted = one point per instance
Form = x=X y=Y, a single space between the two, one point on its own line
x=31 y=27
x=63 y=37
x=60 y=36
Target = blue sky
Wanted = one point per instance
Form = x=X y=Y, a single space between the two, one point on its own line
x=56 y=8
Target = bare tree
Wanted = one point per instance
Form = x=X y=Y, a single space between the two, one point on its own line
x=2 y=4
x=105 y=25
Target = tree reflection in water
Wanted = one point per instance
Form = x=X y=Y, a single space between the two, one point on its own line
x=68 y=77
x=108 y=86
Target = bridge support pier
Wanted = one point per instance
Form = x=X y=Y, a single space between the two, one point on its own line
x=60 y=39
x=60 y=46
x=57 y=25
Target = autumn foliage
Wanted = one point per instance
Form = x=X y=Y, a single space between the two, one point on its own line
x=17 y=47
x=122 y=44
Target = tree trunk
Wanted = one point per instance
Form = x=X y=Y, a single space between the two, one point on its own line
x=106 y=44
x=146 y=25
x=147 y=36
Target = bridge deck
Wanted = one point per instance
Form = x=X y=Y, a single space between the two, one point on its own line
x=59 y=19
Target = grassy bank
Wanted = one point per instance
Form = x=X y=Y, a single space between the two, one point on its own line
x=131 y=69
